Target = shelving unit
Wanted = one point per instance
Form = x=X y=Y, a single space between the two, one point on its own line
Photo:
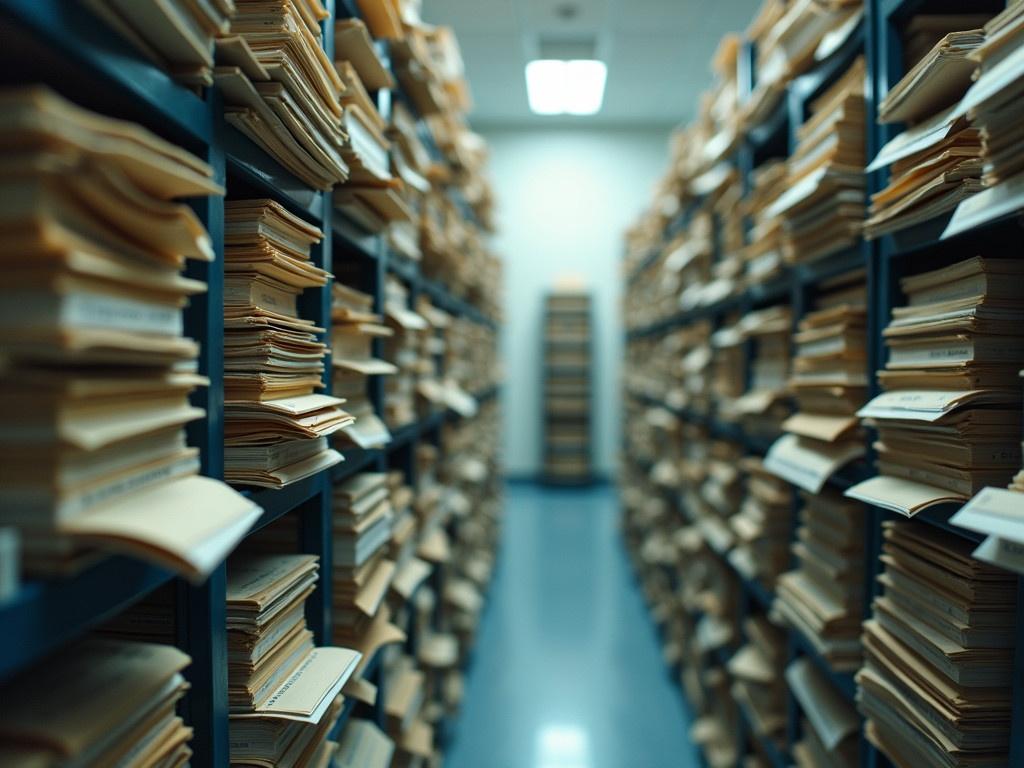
x=885 y=260
x=66 y=46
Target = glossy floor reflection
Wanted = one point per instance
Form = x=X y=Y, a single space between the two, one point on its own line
x=567 y=671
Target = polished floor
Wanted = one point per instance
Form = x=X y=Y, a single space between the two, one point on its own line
x=567 y=671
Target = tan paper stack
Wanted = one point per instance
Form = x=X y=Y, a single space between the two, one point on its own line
x=763 y=255
x=403 y=704
x=823 y=598
x=822 y=208
x=949 y=421
x=95 y=374
x=283 y=692
x=410 y=162
x=176 y=35
x=993 y=105
x=354 y=328
x=936 y=685
x=757 y=684
x=829 y=382
x=762 y=526
x=430 y=347
x=282 y=91
x=402 y=350
x=830 y=727
x=363 y=745
x=765 y=405
x=275 y=426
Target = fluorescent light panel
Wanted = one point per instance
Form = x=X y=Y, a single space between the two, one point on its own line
x=556 y=87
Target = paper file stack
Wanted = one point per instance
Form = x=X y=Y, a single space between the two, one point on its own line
x=829 y=382
x=410 y=162
x=282 y=91
x=430 y=347
x=97 y=702
x=763 y=255
x=403 y=704
x=757 y=684
x=763 y=524
x=949 y=421
x=275 y=426
x=823 y=206
x=830 y=727
x=95 y=375
x=993 y=104
x=823 y=598
x=402 y=350
x=283 y=692
x=936 y=685
x=765 y=404
x=363 y=745
x=355 y=327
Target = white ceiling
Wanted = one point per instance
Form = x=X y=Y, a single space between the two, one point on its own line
x=658 y=52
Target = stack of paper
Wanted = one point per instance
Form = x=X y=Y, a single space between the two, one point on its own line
x=282 y=91
x=831 y=727
x=993 y=106
x=283 y=693
x=824 y=597
x=830 y=383
x=430 y=349
x=275 y=427
x=758 y=686
x=97 y=702
x=176 y=35
x=949 y=422
x=354 y=328
x=402 y=350
x=765 y=405
x=922 y=32
x=363 y=522
x=936 y=685
x=95 y=375
x=823 y=206
x=719 y=491
x=763 y=254
x=403 y=703
x=763 y=525
x=410 y=162
x=363 y=745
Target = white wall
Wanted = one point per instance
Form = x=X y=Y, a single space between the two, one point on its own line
x=565 y=198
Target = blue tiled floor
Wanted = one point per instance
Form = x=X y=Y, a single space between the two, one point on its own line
x=567 y=671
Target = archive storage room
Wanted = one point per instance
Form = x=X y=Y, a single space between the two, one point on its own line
x=511 y=383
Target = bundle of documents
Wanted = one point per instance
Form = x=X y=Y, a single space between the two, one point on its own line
x=354 y=328
x=763 y=524
x=823 y=598
x=763 y=255
x=363 y=523
x=95 y=375
x=430 y=348
x=993 y=106
x=282 y=91
x=949 y=422
x=758 y=686
x=936 y=684
x=97 y=702
x=363 y=745
x=411 y=162
x=275 y=426
x=765 y=405
x=176 y=35
x=823 y=206
x=403 y=703
x=283 y=693
x=401 y=349
x=831 y=727
x=829 y=382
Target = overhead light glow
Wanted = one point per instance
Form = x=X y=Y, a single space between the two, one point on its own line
x=556 y=87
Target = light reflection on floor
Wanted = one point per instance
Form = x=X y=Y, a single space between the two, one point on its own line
x=567 y=671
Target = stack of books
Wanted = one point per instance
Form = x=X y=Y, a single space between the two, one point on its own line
x=823 y=598
x=283 y=692
x=282 y=91
x=354 y=329
x=830 y=727
x=275 y=426
x=936 y=684
x=829 y=382
x=765 y=404
x=823 y=206
x=97 y=702
x=763 y=524
x=949 y=423
x=758 y=685
x=96 y=375
x=401 y=348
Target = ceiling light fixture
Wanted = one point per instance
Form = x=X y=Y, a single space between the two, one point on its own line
x=574 y=87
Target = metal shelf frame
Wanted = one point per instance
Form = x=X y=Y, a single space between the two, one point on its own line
x=66 y=46
x=878 y=38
